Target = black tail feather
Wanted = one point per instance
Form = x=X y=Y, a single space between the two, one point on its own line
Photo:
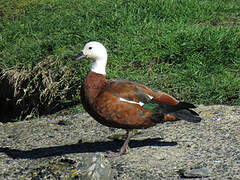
x=181 y=111
x=188 y=115
x=185 y=113
x=185 y=105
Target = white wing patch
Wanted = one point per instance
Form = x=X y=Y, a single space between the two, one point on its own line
x=132 y=102
x=149 y=96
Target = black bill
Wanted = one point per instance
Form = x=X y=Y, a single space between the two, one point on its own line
x=80 y=56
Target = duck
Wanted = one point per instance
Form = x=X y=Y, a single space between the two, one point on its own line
x=125 y=104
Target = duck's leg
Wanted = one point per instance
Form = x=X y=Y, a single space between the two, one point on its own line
x=123 y=149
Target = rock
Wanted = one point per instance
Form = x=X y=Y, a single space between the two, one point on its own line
x=196 y=172
x=95 y=167
x=91 y=167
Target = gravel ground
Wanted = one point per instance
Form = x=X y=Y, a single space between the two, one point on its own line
x=156 y=153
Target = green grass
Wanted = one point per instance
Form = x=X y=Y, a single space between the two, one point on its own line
x=187 y=48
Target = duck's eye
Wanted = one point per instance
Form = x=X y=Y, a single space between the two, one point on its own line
x=90 y=48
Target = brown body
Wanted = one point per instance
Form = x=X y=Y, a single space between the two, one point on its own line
x=101 y=99
x=126 y=104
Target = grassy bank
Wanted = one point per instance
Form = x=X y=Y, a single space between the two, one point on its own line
x=190 y=49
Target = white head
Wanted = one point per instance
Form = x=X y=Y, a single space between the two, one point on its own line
x=98 y=53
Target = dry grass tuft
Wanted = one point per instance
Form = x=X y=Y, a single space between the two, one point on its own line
x=49 y=87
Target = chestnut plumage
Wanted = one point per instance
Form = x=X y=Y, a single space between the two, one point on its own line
x=125 y=104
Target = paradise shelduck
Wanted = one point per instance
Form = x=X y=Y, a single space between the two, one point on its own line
x=126 y=104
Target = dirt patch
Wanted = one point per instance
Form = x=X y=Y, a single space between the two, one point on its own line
x=48 y=87
x=159 y=152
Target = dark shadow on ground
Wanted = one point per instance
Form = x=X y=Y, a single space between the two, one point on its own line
x=86 y=147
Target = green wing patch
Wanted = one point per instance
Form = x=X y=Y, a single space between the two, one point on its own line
x=151 y=107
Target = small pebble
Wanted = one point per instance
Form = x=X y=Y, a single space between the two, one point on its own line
x=196 y=172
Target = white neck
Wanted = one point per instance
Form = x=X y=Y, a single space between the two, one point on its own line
x=99 y=66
